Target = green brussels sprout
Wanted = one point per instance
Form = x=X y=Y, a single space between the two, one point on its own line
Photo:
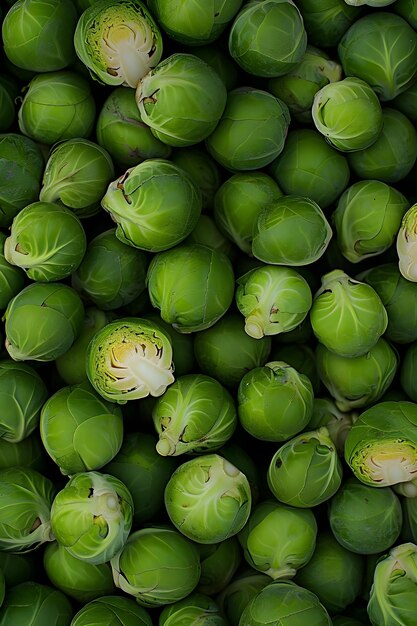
x=195 y=608
x=25 y=521
x=275 y=402
x=54 y=310
x=306 y=470
x=105 y=610
x=21 y=168
x=298 y=87
x=155 y=205
x=392 y=593
x=129 y=359
x=194 y=23
x=407 y=371
x=208 y=488
x=268 y=38
x=35 y=604
x=310 y=167
x=393 y=154
x=381 y=48
x=111 y=273
x=348 y=114
x=239 y=592
x=407 y=10
x=278 y=603
x=91 y=516
x=219 y=563
x=363 y=519
x=182 y=99
x=333 y=573
x=206 y=233
x=202 y=168
x=12 y=278
x=57 y=106
x=26 y=453
x=118 y=41
x=381 y=447
x=327 y=20
x=406 y=245
x=273 y=299
x=22 y=394
x=278 y=540
x=17 y=568
x=8 y=94
x=347 y=316
x=218 y=57
x=406 y=101
x=38 y=34
x=78 y=579
x=71 y=419
x=367 y=218
x=292 y=231
x=47 y=241
x=196 y=414
x=192 y=286
x=252 y=130
x=122 y=133
x=77 y=173
x=157 y=565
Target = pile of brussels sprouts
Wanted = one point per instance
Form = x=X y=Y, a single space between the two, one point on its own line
x=208 y=289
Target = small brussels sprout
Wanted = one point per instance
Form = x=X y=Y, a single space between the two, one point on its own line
x=57 y=106
x=38 y=34
x=91 y=516
x=347 y=316
x=22 y=394
x=381 y=447
x=310 y=167
x=181 y=100
x=407 y=245
x=35 y=603
x=348 y=113
x=103 y=611
x=381 y=49
x=306 y=470
x=293 y=231
x=192 y=286
x=327 y=20
x=196 y=414
x=208 y=488
x=363 y=519
x=42 y=321
x=239 y=592
x=129 y=359
x=195 y=608
x=219 y=562
x=78 y=579
x=25 y=521
x=202 y=168
x=157 y=565
x=273 y=300
x=252 y=130
x=155 y=205
x=8 y=94
x=118 y=41
x=275 y=402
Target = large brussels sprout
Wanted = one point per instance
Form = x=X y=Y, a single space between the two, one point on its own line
x=181 y=100
x=219 y=562
x=105 y=610
x=407 y=245
x=35 y=604
x=196 y=608
x=118 y=41
x=326 y=21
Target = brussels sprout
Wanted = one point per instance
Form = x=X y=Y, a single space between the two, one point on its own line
x=8 y=94
x=219 y=562
x=407 y=10
x=363 y=519
x=92 y=516
x=118 y=41
x=21 y=168
x=35 y=604
x=57 y=106
x=218 y=57
x=347 y=316
x=407 y=371
x=78 y=579
x=206 y=233
x=25 y=512
x=273 y=300
x=381 y=447
x=239 y=592
x=129 y=359
x=406 y=245
x=348 y=113
x=202 y=169
x=181 y=100
x=194 y=23
x=195 y=608
x=196 y=414
x=292 y=231
x=105 y=610
x=111 y=274
x=327 y=20
x=192 y=286
x=252 y=130
x=208 y=488
x=381 y=49
x=310 y=167
x=155 y=205
x=38 y=34
x=54 y=310
x=157 y=565
x=275 y=402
